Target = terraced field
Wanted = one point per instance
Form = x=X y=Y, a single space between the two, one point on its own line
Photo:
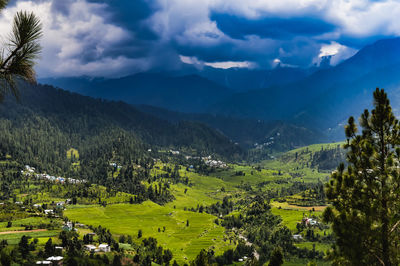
x=184 y=241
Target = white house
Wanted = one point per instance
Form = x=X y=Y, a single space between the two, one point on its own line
x=90 y=248
x=104 y=248
x=55 y=258
x=297 y=237
x=48 y=211
x=68 y=226
x=43 y=262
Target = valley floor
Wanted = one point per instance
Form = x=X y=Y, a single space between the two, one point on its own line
x=291 y=184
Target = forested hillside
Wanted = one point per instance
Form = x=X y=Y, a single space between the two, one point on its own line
x=47 y=122
x=249 y=133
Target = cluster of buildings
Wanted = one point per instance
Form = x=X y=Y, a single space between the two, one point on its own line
x=31 y=170
x=53 y=260
x=216 y=163
x=101 y=248
x=266 y=144
x=116 y=165
x=59 y=205
x=209 y=161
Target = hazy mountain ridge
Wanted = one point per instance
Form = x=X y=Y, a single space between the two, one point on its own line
x=327 y=97
x=247 y=132
x=321 y=99
x=189 y=93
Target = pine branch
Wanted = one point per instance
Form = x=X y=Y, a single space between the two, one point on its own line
x=23 y=49
x=3 y=3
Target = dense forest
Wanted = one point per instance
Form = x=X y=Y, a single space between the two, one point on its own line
x=46 y=122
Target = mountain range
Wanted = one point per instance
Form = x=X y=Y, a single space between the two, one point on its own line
x=319 y=99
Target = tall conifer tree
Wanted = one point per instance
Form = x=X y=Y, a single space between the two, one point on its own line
x=364 y=197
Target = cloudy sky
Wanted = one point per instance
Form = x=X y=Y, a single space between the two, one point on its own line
x=121 y=37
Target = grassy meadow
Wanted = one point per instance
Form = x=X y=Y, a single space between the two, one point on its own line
x=184 y=241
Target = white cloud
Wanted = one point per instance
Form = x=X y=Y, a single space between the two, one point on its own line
x=192 y=60
x=223 y=65
x=188 y=22
x=330 y=49
x=231 y=64
x=336 y=51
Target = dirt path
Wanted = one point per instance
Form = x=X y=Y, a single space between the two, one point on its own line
x=256 y=255
x=23 y=231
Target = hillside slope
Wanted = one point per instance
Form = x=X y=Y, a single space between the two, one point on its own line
x=47 y=122
x=247 y=132
x=189 y=93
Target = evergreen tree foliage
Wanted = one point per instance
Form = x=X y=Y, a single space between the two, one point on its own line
x=276 y=257
x=49 y=248
x=364 y=210
x=17 y=58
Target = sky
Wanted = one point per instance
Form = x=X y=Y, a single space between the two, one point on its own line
x=113 y=38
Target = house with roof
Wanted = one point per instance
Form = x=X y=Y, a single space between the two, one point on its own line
x=104 y=248
x=55 y=260
x=43 y=262
x=68 y=226
x=297 y=237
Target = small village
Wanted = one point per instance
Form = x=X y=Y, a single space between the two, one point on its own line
x=30 y=171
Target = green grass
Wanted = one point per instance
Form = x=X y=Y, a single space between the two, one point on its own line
x=18 y=225
x=252 y=176
x=318 y=147
x=14 y=239
x=73 y=153
x=318 y=246
x=184 y=242
x=290 y=218
x=290 y=164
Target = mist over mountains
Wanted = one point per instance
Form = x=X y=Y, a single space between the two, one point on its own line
x=319 y=99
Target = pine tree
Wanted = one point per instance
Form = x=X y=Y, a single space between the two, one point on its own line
x=276 y=257
x=22 y=50
x=364 y=200
x=49 y=248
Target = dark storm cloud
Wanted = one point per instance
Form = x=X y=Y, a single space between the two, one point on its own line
x=131 y=15
x=118 y=37
x=271 y=27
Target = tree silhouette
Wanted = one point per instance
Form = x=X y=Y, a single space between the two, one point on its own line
x=19 y=53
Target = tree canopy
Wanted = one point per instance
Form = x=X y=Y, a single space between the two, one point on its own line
x=364 y=209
